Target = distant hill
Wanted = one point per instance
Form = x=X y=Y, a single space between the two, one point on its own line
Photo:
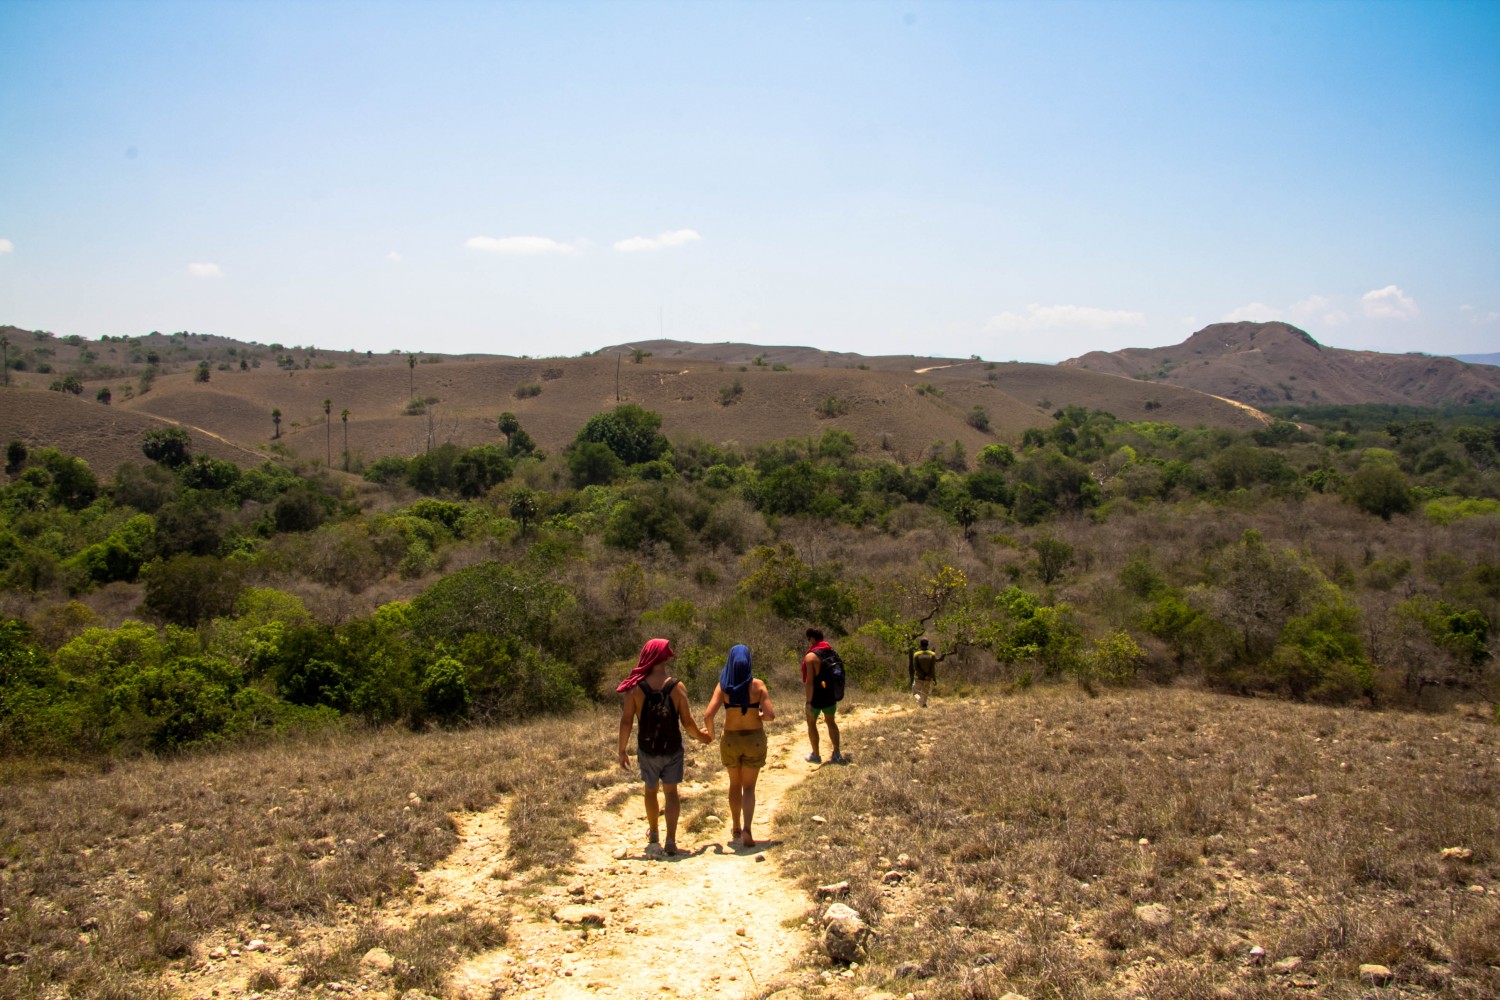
x=1274 y=364
x=897 y=406
x=795 y=357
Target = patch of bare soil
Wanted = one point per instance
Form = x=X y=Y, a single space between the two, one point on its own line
x=717 y=919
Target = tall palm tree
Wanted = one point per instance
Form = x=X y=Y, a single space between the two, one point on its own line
x=344 y=416
x=276 y=419
x=411 y=368
x=328 y=434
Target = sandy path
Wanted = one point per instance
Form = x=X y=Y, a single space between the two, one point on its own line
x=716 y=920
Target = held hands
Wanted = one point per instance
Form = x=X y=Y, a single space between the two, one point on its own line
x=624 y=761
x=706 y=735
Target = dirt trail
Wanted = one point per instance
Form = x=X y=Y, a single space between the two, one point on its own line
x=716 y=920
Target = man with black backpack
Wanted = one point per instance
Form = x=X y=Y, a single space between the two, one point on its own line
x=662 y=705
x=823 y=686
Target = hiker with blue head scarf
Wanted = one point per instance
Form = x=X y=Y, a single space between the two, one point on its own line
x=747 y=708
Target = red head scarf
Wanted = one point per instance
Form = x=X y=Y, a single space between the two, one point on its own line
x=653 y=652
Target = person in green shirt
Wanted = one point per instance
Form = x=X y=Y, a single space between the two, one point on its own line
x=921 y=670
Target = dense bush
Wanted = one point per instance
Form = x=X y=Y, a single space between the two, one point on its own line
x=632 y=433
x=170 y=447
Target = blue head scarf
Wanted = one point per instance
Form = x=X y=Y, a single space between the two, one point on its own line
x=735 y=677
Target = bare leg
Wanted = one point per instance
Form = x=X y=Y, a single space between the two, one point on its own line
x=736 y=783
x=812 y=728
x=747 y=808
x=653 y=812
x=833 y=732
x=674 y=806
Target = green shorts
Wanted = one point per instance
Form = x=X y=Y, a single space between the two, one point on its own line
x=828 y=710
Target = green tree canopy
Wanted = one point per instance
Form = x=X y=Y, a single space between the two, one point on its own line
x=631 y=432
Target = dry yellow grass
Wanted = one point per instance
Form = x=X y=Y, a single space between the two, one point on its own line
x=1037 y=824
x=107 y=879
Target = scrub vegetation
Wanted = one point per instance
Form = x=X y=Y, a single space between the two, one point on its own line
x=190 y=602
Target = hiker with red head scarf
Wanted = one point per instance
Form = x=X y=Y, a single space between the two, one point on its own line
x=823 y=688
x=743 y=747
x=662 y=705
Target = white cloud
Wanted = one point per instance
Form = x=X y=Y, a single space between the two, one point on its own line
x=1320 y=309
x=205 y=270
x=1485 y=319
x=394 y=257
x=1040 y=317
x=1190 y=322
x=675 y=238
x=1389 y=302
x=519 y=246
x=6 y=246
x=1255 y=312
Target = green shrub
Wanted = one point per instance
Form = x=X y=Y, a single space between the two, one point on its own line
x=1446 y=510
x=301 y=508
x=1320 y=654
x=169 y=447
x=479 y=468
x=121 y=555
x=387 y=470
x=187 y=589
x=630 y=431
x=797 y=592
x=168 y=707
x=445 y=690
x=592 y=463
x=1380 y=487
x=832 y=407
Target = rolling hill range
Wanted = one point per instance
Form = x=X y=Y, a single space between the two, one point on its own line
x=894 y=406
x=1275 y=364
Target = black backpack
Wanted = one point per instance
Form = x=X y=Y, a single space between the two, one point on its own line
x=659 y=733
x=830 y=677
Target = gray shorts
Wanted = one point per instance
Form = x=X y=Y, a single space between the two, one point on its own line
x=666 y=768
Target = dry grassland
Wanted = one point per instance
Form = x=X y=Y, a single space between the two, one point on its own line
x=1036 y=825
x=107 y=880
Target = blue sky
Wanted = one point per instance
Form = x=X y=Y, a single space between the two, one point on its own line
x=1018 y=181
